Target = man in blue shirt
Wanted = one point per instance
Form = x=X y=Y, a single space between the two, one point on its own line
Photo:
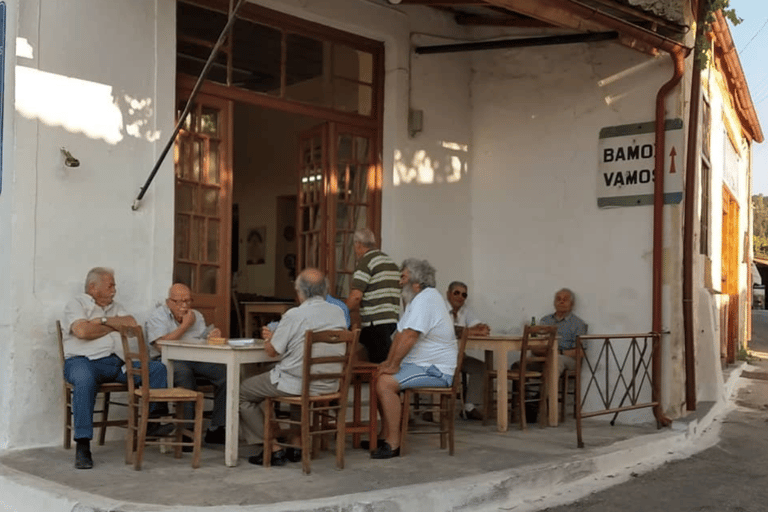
x=569 y=327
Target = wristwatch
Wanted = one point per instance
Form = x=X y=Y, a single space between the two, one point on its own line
x=103 y=320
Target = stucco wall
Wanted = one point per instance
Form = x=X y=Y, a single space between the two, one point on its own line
x=96 y=78
x=537 y=113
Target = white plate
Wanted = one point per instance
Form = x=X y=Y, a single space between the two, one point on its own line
x=242 y=342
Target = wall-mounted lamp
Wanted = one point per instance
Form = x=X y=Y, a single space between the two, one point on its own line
x=415 y=121
x=69 y=160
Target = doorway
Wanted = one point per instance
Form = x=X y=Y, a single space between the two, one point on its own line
x=297 y=155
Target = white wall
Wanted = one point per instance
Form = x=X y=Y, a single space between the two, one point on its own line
x=95 y=83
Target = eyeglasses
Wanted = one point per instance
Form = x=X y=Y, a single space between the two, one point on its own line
x=457 y=292
x=181 y=301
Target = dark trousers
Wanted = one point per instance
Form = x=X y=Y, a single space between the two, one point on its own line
x=377 y=339
x=87 y=374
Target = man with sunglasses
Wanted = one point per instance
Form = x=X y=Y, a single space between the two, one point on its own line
x=176 y=320
x=463 y=316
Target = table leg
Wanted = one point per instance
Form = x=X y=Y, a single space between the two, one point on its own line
x=169 y=367
x=502 y=413
x=552 y=382
x=233 y=413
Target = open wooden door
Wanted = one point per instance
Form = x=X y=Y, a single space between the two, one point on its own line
x=730 y=269
x=339 y=192
x=203 y=156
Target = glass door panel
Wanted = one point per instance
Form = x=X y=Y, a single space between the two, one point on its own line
x=203 y=214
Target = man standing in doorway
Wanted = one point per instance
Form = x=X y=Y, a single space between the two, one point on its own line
x=375 y=292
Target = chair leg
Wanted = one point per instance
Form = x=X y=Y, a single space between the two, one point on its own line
x=132 y=430
x=178 y=413
x=341 y=435
x=199 y=404
x=443 y=421
x=451 y=421
x=404 y=413
x=306 y=442
x=67 y=418
x=269 y=411
x=143 y=419
x=373 y=412
x=104 y=418
x=521 y=402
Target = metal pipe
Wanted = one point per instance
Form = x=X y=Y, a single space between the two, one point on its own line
x=523 y=42
x=688 y=222
x=188 y=106
x=678 y=59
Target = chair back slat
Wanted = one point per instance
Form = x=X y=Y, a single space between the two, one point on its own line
x=60 y=337
x=328 y=357
x=549 y=332
x=462 y=342
x=132 y=355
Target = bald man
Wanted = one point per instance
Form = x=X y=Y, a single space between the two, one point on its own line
x=287 y=342
x=176 y=320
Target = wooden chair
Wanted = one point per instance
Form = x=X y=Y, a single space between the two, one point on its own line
x=320 y=415
x=105 y=390
x=363 y=373
x=444 y=408
x=141 y=396
x=527 y=374
x=566 y=378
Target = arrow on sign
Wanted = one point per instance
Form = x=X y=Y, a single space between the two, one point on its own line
x=672 y=155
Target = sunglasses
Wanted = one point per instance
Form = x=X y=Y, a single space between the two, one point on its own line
x=457 y=292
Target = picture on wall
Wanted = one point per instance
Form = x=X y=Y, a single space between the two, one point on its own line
x=257 y=246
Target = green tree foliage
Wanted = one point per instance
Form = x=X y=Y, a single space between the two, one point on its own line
x=701 y=49
x=760 y=225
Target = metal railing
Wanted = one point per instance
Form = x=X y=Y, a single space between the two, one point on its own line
x=620 y=374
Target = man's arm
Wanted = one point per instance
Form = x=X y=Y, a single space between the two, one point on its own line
x=186 y=322
x=401 y=345
x=354 y=299
x=88 y=330
x=479 y=330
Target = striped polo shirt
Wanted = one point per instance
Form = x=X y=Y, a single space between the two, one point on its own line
x=378 y=277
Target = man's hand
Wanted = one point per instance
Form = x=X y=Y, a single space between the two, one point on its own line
x=215 y=333
x=480 y=330
x=387 y=368
x=266 y=334
x=188 y=320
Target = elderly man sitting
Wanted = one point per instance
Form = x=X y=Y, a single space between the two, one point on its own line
x=569 y=327
x=423 y=352
x=313 y=313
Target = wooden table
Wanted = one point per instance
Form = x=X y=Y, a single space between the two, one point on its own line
x=232 y=358
x=498 y=347
x=256 y=308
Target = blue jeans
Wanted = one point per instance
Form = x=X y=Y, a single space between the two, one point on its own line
x=86 y=375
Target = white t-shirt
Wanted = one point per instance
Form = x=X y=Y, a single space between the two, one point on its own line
x=437 y=344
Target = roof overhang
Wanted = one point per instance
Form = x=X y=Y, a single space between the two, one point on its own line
x=725 y=49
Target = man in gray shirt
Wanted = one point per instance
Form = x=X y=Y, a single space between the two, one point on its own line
x=176 y=320
x=287 y=341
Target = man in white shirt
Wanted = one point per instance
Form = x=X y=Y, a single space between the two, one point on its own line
x=463 y=316
x=423 y=351
x=93 y=352
x=287 y=341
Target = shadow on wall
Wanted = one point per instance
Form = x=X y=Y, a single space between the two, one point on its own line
x=446 y=163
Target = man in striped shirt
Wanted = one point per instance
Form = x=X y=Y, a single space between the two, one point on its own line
x=375 y=292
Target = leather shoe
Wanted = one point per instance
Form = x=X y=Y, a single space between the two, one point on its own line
x=293 y=454
x=365 y=445
x=474 y=414
x=160 y=429
x=216 y=436
x=386 y=452
x=83 y=459
x=278 y=458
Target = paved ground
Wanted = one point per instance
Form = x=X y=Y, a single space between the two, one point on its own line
x=731 y=476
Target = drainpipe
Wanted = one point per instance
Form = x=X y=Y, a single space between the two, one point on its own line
x=688 y=222
x=678 y=59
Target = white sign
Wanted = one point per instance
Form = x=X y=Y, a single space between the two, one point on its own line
x=626 y=159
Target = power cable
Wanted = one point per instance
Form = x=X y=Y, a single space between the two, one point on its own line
x=754 y=36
